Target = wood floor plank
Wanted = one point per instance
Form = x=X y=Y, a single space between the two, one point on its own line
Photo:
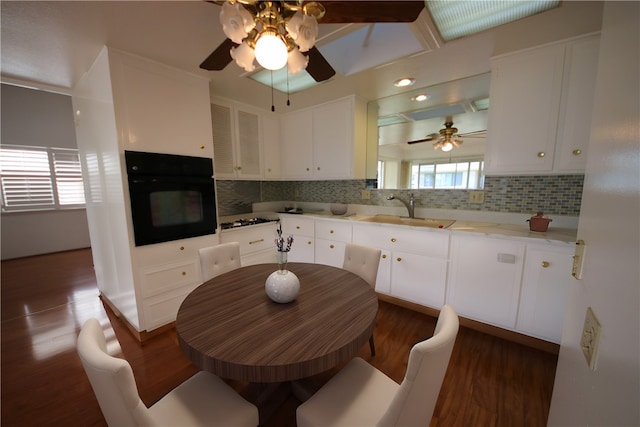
x=45 y=299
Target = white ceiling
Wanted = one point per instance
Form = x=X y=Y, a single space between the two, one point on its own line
x=50 y=44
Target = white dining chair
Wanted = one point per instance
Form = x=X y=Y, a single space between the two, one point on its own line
x=361 y=395
x=202 y=400
x=363 y=261
x=216 y=260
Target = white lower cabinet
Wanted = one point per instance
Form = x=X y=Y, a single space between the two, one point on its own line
x=545 y=287
x=168 y=272
x=256 y=242
x=415 y=259
x=484 y=278
x=302 y=230
x=331 y=240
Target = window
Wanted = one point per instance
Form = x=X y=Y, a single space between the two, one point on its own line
x=38 y=178
x=458 y=175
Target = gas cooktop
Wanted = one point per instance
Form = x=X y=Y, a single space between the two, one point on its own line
x=242 y=222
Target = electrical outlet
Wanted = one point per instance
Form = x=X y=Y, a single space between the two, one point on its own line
x=476 y=196
x=578 y=260
x=365 y=194
x=590 y=338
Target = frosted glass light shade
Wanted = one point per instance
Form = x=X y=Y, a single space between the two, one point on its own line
x=270 y=51
x=297 y=61
x=447 y=146
x=244 y=56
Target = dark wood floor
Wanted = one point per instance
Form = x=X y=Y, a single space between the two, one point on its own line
x=45 y=300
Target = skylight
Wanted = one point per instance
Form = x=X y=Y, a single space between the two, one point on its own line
x=296 y=82
x=456 y=19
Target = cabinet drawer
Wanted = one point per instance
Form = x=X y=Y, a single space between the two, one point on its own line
x=177 y=250
x=428 y=243
x=163 y=309
x=252 y=239
x=161 y=279
x=294 y=224
x=333 y=230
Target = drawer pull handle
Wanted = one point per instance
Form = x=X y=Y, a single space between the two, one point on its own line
x=399 y=259
x=182 y=248
x=393 y=239
x=253 y=242
x=545 y=264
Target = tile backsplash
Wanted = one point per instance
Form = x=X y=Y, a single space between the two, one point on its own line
x=553 y=195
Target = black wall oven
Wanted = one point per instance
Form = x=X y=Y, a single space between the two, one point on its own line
x=172 y=197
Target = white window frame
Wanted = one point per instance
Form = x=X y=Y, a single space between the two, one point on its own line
x=40 y=178
x=468 y=184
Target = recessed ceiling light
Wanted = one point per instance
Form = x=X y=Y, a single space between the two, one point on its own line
x=421 y=97
x=406 y=81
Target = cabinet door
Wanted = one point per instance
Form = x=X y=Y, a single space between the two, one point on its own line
x=418 y=278
x=303 y=249
x=383 y=280
x=484 y=278
x=271 y=147
x=523 y=118
x=329 y=252
x=248 y=144
x=545 y=287
x=574 y=128
x=296 y=152
x=333 y=140
x=223 y=151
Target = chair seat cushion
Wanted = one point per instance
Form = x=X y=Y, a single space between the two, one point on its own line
x=204 y=400
x=358 y=395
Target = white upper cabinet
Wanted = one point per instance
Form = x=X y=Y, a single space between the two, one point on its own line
x=540 y=114
x=324 y=142
x=271 y=146
x=158 y=108
x=237 y=140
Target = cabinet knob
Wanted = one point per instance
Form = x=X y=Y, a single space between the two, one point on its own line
x=331 y=246
x=238 y=168
x=545 y=264
x=541 y=154
x=268 y=169
x=202 y=147
x=309 y=242
x=318 y=167
x=330 y=231
x=184 y=273
x=384 y=256
x=182 y=248
x=577 y=152
x=297 y=227
x=307 y=169
x=399 y=259
x=393 y=239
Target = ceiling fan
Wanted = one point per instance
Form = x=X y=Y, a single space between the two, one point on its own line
x=246 y=22
x=448 y=137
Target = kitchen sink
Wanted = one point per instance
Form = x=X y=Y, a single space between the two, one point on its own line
x=414 y=222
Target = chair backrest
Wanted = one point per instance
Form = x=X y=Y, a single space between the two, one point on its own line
x=216 y=260
x=416 y=398
x=111 y=378
x=363 y=261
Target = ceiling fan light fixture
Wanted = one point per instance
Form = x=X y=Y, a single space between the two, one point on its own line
x=447 y=146
x=303 y=29
x=296 y=61
x=236 y=21
x=271 y=50
x=244 y=56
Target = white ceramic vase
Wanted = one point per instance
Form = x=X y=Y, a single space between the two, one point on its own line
x=282 y=286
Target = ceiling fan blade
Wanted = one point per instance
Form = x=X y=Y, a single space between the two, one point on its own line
x=475 y=134
x=341 y=12
x=318 y=67
x=219 y=58
x=417 y=141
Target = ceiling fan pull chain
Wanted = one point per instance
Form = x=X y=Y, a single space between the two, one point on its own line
x=288 y=102
x=273 y=107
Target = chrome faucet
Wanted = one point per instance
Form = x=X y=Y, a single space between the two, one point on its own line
x=411 y=205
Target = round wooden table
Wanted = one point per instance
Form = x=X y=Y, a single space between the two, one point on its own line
x=230 y=327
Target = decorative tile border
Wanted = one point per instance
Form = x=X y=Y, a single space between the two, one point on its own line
x=553 y=195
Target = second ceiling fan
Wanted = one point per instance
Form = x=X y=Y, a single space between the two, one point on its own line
x=448 y=137
x=293 y=24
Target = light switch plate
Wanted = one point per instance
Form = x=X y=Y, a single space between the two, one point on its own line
x=365 y=194
x=476 y=196
x=590 y=338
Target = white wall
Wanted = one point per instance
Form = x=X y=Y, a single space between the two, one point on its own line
x=610 y=226
x=32 y=117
